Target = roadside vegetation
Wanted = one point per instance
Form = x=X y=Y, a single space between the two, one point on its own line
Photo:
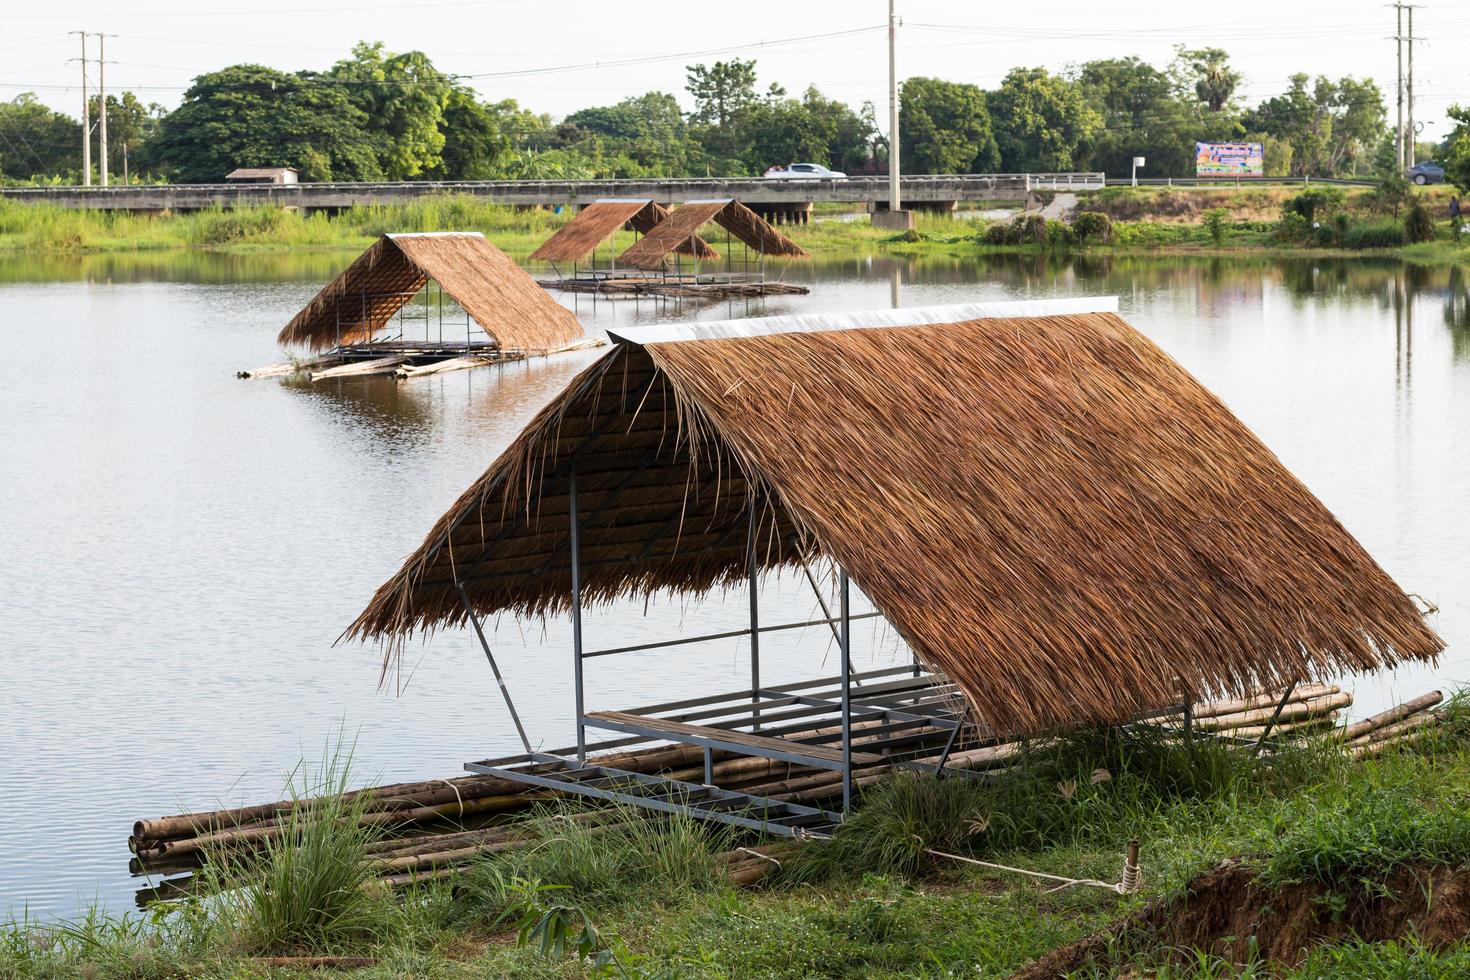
x=1391 y=218
x=634 y=897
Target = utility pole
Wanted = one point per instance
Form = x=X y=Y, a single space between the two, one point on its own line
x=1411 y=136
x=894 y=201
x=86 y=118
x=102 y=101
x=1398 y=133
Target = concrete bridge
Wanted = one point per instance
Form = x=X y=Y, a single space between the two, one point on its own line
x=775 y=196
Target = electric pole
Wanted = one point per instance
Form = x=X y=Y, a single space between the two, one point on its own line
x=1398 y=133
x=1411 y=136
x=86 y=118
x=894 y=201
x=102 y=100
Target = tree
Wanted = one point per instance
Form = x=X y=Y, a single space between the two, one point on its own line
x=37 y=142
x=403 y=97
x=649 y=129
x=130 y=124
x=1332 y=127
x=721 y=90
x=1208 y=72
x=477 y=138
x=253 y=116
x=1142 y=115
x=945 y=128
x=1042 y=122
x=1456 y=151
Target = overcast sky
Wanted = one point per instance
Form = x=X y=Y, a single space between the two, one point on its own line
x=546 y=54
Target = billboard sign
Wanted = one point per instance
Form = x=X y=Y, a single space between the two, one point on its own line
x=1229 y=160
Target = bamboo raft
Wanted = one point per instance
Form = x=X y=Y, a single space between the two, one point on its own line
x=635 y=285
x=403 y=359
x=434 y=829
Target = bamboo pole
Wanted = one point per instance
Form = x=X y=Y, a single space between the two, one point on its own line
x=1396 y=713
x=1409 y=724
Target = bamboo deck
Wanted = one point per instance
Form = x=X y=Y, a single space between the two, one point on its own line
x=437 y=827
x=634 y=283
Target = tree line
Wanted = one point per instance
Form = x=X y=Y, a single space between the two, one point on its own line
x=377 y=115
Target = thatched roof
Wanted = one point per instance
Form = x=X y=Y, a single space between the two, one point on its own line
x=576 y=240
x=498 y=294
x=679 y=228
x=1047 y=508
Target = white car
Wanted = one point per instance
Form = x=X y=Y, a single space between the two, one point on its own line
x=804 y=171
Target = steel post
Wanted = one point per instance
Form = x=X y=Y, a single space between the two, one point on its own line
x=755 y=626
x=577 y=613
x=846 y=694
x=469 y=612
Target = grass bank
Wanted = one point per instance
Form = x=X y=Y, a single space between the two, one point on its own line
x=641 y=898
x=1154 y=221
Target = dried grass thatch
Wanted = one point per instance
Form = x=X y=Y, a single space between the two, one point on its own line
x=498 y=294
x=651 y=251
x=1049 y=510
x=579 y=238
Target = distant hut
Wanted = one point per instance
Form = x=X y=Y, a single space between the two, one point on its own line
x=644 y=268
x=578 y=240
x=263 y=175
x=1062 y=524
x=353 y=317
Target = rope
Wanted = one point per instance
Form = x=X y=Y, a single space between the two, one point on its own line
x=754 y=853
x=1128 y=885
x=457 y=797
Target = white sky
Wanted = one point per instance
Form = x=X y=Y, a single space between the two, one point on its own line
x=545 y=54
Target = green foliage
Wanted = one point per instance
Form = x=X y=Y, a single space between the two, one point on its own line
x=37 y=140
x=1369 y=834
x=945 y=128
x=1208 y=71
x=1142 y=116
x=304 y=890
x=1382 y=233
x=1092 y=226
x=1042 y=122
x=1456 y=154
x=1215 y=223
x=252 y=116
x=1333 y=128
x=1418 y=225
x=1315 y=204
x=721 y=90
x=1406 y=960
x=403 y=98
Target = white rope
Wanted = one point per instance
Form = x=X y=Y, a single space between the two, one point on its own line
x=754 y=853
x=457 y=798
x=1126 y=886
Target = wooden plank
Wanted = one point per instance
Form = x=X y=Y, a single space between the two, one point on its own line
x=745 y=739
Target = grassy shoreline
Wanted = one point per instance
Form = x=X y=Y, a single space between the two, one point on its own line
x=646 y=901
x=1162 y=227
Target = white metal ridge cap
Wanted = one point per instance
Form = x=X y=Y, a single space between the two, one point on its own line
x=623 y=200
x=918 y=316
x=710 y=200
x=435 y=234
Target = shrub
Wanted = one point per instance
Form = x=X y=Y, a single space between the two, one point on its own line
x=1293 y=227
x=1418 y=225
x=1033 y=230
x=1058 y=235
x=1215 y=224
x=1383 y=233
x=1315 y=204
x=1391 y=194
x=1092 y=226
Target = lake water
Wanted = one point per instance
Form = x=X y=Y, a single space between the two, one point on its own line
x=182 y=548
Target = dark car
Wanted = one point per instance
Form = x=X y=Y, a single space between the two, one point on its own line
x=1426 y=173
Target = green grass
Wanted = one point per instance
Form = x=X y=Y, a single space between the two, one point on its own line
x=647 y=896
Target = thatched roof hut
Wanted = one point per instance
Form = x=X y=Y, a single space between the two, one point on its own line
x=496 y=293
x=579 y=238
x=1046 y=507
x=681 y=227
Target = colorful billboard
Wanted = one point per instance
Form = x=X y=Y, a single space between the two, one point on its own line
x=1229 y=160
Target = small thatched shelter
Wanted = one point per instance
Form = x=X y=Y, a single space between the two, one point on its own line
x=683 y=225
x=1048 y=509
x=512 y=309
x=578 y=239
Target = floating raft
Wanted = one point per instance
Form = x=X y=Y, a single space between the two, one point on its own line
x=702 y=287
x=435 y=828
x=404 y=359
